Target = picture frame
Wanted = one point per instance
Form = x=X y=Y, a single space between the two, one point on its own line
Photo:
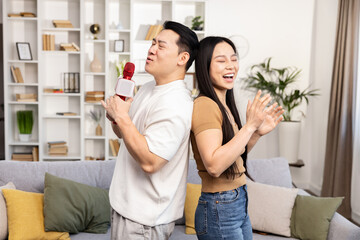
x=119 y=46
x=24 y=51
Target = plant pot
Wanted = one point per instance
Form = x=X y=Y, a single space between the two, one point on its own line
x=289 y=136
x=24 y=137
x=98 y=130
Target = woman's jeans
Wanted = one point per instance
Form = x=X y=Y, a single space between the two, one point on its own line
x=223 y=215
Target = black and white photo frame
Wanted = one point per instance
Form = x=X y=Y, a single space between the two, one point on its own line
x=24 y=50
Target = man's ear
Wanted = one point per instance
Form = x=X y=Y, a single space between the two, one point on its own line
x=183 y=58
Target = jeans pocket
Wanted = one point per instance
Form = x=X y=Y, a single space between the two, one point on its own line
x=229 y=196
x=201 y=218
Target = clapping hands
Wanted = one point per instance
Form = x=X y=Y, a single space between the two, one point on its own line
x=261 y=118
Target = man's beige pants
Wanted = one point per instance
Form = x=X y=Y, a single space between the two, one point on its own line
x=125 y=229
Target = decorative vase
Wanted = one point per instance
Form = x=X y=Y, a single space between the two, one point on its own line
x=95 y=65
x=24 y=137
x=98 y=130
x=289 y=136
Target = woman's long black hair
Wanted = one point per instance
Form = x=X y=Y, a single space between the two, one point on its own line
x=202 y=69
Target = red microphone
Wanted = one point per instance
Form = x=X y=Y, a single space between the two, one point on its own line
x=125 y=86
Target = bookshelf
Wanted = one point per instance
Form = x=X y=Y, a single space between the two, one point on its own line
x=126 y=20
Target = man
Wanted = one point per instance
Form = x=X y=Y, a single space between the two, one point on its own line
x=147 y=192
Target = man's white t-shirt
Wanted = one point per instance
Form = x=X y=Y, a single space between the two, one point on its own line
x=163 y=115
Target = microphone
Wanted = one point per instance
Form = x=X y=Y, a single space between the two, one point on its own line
x=125 y=86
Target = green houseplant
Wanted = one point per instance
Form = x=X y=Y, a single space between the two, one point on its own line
x=196 y=23
x=278 y=82
x=25 y=124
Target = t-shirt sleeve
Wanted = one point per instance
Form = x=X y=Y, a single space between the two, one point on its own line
x=167 y=127
x=206 y=115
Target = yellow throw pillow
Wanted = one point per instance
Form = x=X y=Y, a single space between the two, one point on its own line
x=193 y=192
x=26 y=217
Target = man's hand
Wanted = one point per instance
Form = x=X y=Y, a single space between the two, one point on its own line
x=116 y=108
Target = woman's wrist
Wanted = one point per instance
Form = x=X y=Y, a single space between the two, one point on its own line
x=249 y=128
x=258 y=133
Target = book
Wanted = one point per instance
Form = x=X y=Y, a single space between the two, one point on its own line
x=66 y=113
x=149 y=33
x=25 y=95
x=27 y=14
x=44 y=43
x=116 y=145
x=18 y=75
x=56 y=143
x=96 y=93
x=112 y=147
x=75 y=46
x=12 y=68
x=52 y=43
x=58 y=150
x=14 y=15
x=35 y=154
x=62 y=24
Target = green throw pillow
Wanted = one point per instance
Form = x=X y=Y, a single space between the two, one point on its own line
x=311 y=216
x=75 y=207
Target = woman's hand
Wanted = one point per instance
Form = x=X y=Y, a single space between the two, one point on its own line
x=271 y=120
x=255 y=112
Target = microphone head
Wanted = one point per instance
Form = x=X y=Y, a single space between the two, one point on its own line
x=129 y=70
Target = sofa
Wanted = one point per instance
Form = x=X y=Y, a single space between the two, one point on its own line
x=29 y=176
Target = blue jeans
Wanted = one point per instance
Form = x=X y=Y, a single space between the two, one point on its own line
x=223 y=215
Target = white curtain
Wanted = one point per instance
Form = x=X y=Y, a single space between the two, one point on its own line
x=355 y=181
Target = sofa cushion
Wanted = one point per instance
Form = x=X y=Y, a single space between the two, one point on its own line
x=3 y=214
x=75 y=207
x=193 y=192
x=270 y=207
x=311 y=216
x=93 y=173
x=25 y=216
x=272 y=171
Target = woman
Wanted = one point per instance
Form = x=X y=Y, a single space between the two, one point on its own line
x=220 y=143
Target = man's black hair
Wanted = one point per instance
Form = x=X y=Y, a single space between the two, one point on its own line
x=188 y=41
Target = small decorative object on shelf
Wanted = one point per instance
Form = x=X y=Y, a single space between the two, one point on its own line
x=24 y=51
x=71 y=82
x=62 y=24
x=95 y=65
x=96 y=116
x=119 y=46
x=25 y=124
x=196 y=23
x=95 y=29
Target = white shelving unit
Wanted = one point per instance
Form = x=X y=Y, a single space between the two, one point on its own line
x=126 y=20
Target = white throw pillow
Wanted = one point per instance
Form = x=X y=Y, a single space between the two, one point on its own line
x=270 y=207
x=3 y=214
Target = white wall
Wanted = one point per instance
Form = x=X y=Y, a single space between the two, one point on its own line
x=280 y=29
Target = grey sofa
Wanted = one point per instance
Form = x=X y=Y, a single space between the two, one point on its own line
x=29 y=176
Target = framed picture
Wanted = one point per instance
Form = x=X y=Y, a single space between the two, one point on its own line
x=119 y=46
x=24 y=51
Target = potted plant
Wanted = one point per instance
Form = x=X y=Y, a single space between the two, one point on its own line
x=25 y=124
x=278 y=82
x=96 y=116
x=196 y=23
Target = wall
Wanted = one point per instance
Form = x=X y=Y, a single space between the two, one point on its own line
x=280 y=29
